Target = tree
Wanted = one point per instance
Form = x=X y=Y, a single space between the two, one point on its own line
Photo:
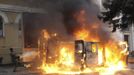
x=119 y=13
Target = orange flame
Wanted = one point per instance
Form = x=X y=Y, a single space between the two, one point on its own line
x=111 y=54
x=66 y=57
x=84 y=34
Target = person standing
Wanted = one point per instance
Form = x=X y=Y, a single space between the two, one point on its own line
x=14 y=59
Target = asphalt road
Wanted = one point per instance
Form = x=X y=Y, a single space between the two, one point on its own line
x=8 y=70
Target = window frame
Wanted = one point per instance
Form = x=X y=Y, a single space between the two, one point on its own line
x=3 y=27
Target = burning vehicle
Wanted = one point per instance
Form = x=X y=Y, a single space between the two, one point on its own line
x=80 y=56
x=87 y=52
x=92 y=49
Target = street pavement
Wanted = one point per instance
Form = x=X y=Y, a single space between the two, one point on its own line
x=8 y=70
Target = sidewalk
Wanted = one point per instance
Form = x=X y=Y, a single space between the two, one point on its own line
x=8 y=70
x=20 y=71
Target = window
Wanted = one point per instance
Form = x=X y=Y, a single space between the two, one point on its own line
x=1 y=26
x=20 y=27
x=126 y=38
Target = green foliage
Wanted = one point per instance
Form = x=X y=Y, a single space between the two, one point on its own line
x=123 y=9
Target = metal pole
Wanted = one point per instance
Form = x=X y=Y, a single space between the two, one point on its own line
x=132 y=36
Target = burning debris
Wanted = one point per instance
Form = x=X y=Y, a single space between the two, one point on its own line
x=107 y=57
x=87 y=52
x=91 y=49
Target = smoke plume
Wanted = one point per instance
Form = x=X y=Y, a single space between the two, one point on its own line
x=60 y=18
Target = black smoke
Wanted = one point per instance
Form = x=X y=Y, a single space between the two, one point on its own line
x=59 y=18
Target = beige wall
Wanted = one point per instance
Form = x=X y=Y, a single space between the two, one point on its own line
x=28 y=3
x=12 y=37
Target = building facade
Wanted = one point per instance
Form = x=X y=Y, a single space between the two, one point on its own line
x=128 y=36
x=11 y=29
